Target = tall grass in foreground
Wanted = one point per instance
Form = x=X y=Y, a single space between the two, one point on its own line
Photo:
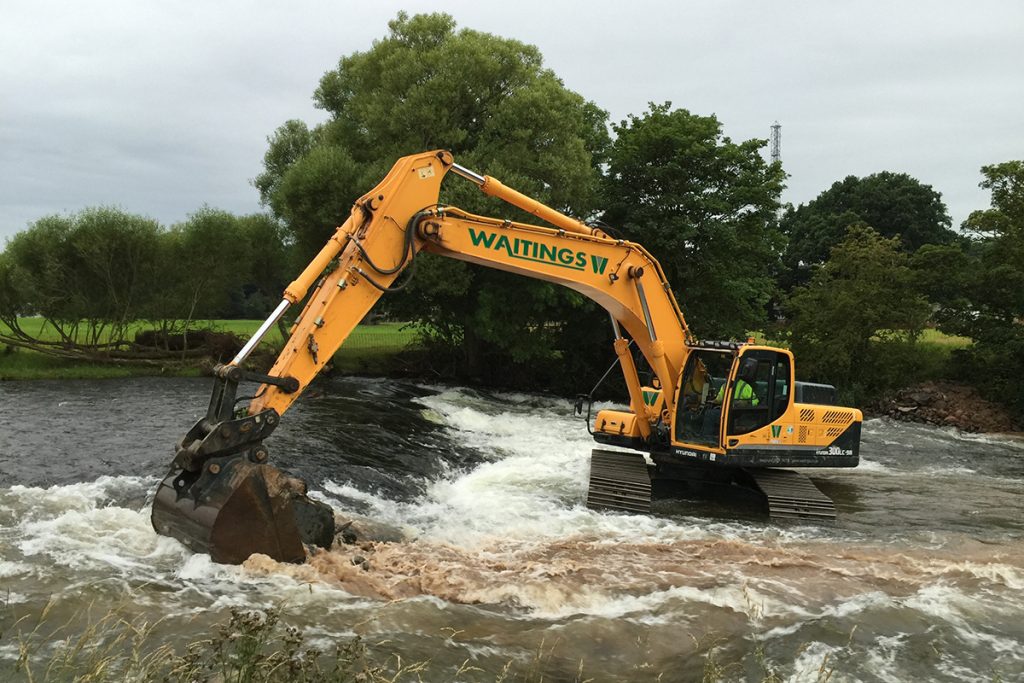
x=252 y=646
x=258 y=647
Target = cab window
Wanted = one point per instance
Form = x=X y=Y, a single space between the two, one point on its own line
x=780 y=401
x=767 y=396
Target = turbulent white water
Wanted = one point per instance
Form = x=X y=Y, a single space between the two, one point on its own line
x=921 y=579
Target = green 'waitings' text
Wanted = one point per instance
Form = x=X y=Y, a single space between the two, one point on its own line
x=528 y=250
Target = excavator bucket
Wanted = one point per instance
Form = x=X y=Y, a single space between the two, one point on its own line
x=220 y=497
x=236 y=508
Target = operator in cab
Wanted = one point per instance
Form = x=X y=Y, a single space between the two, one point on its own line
x=744 y=392
x=743 y=395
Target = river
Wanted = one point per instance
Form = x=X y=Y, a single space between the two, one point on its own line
x=501 y=565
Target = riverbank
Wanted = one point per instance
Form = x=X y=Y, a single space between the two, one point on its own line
x=387 y=350
x=946 y=404
x=370 y=349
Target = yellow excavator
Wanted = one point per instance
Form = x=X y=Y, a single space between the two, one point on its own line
x=711 y=413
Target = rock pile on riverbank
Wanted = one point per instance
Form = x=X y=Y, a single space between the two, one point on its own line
x=949 y=405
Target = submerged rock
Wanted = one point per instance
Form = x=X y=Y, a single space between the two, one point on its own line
x=353 y=530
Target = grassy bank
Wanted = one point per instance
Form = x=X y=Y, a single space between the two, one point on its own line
x=371 y=349
x=378 y=349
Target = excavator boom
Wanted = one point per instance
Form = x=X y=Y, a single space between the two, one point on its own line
x=221 y=496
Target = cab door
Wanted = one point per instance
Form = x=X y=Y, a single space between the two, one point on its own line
x=697 y=420
x=762 y=391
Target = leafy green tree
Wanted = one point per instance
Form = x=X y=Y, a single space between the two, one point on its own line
x=270 y=267
x=857 y=315
x=288 y=144
x=94 y=273
x=89 y=274
x=998 y=294
x=12 y=299
x=426 y=85
x=39 y=270
x=943 y=273
x=704 y=206
x=115 y=252
x=491 y=102
x=213 y=261
x=989 y=277
x=893 y=204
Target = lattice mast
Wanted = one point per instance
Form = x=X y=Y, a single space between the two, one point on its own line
x=776 y=142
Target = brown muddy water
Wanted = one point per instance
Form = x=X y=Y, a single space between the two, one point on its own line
x=922 y=578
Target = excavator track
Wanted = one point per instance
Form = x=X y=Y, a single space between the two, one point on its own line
x=619 y=481
x=791 y=495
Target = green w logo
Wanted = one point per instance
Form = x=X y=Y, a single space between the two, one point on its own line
x=776 y=430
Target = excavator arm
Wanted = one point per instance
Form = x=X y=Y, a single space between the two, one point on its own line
x=401 y=217
x=222 y=497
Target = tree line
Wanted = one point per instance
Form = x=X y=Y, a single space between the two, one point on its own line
x=94 y=275
x=849 y=280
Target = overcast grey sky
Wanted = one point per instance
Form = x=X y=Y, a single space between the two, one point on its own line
x=161 y=107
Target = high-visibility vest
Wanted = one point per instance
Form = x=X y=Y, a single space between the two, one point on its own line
x=743 y=392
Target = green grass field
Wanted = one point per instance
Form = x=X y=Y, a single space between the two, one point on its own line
x=930 y=337
x=937 y=338
x=370 y=349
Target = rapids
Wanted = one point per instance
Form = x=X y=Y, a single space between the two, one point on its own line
x=922 y=578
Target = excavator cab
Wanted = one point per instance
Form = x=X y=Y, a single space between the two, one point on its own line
x=727 y=391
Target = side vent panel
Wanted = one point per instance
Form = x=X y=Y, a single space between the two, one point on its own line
x=837 y=417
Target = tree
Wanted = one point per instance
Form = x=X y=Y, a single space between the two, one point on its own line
x=704 y=206
x=893 y=204
x=94 y=274
x=88 y=274
x=486 y=99
x=849 y=323
x=491 y=102
x=215 y=259
x=998 y=291
x=943 y=274
x=270 y=267
x=990 y=305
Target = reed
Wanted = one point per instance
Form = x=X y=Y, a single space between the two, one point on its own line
x=252 y=646
x=257 y=646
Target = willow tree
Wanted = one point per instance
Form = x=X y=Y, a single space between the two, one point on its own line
x=89 y=275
